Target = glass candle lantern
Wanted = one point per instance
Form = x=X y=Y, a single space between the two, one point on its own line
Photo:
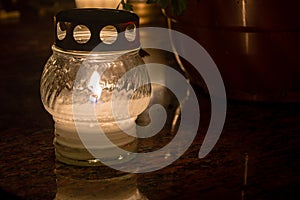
x=93 y=50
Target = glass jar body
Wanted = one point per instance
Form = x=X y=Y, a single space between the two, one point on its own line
x=74 y=82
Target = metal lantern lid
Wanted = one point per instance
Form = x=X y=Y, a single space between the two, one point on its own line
x=87 y=29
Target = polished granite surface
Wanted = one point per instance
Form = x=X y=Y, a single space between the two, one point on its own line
x=256 y=157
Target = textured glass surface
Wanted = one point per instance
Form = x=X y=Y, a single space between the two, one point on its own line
x=72 y=79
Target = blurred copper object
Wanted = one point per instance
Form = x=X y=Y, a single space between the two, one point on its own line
x=255 y=45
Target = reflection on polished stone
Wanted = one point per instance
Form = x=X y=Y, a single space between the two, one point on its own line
x=90 y=183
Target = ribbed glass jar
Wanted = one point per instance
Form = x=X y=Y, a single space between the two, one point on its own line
x=77 y=79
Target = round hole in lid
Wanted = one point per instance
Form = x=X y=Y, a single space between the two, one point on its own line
x=81 y=34
x=108 y=34
x=130 y=32
x=61 y=30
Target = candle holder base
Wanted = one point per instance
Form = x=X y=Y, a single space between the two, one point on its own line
x=82 y=157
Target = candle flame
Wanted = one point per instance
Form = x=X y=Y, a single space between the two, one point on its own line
x=95 y=87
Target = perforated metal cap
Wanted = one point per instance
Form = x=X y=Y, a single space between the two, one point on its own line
x=95 y=29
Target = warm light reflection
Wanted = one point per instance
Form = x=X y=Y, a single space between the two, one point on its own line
x=143 y=11
x=244 y=13
x=244 y=21
x=72 y=183
x=97 y=3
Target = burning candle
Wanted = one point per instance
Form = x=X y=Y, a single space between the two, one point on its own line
x=78 y=82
